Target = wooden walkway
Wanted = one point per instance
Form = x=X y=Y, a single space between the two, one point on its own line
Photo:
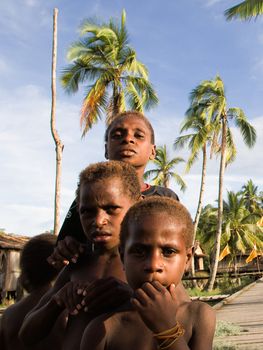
x=245 y=309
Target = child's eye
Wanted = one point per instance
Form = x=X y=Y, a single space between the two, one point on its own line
x=138 y=251
x=86 y=211
x=112 y=210
x=139 y=135
x=169 y=252
x=116 y=135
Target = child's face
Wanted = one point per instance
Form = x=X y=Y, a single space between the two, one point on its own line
x=102 y=206
x=129 y=140
x=155 y=251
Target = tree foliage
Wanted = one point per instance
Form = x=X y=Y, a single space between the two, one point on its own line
x=107 y=65
x=245 y=10
x=164 y=169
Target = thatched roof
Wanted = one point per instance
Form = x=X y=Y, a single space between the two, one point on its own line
x=11 y=241
x=198 y=250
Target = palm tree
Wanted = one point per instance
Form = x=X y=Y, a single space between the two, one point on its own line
x=198 y=140
x=240 y=231
x=104 y=59
x=164 y=169
x=206 y=229
x=210 y=96
x=203 y=135
x=245 y=10
x=252 y=199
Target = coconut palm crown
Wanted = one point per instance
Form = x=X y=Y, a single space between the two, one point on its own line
x=245 y=10
x=104 y=59
x=164 y=169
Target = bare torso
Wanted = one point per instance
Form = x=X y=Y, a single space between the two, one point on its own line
x=89 y=269
x=126 y=330
x=13 y=318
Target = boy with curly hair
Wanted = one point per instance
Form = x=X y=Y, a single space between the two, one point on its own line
x=156 y=249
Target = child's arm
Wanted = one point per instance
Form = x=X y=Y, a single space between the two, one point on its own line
x=2 y=343
x=204 y=326
x=40 y=320
x=95 y=335
x=157 y=308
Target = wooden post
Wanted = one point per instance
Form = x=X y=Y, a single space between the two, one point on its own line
x=58 y=143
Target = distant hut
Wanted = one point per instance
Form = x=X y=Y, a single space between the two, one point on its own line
x=199 y=257
x=10 y=248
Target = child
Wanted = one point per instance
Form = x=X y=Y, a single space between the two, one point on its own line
x=129 y=138
x=156 y=249
x=106 y=190
x=36 y=277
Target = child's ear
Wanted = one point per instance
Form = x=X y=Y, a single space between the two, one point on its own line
x=153 y=153
x=189 y=255
x=106 y=151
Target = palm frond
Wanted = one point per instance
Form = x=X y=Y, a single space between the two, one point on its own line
x=245 y=10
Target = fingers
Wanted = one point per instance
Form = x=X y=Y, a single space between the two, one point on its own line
x=172 y=291
x=105 y=293
x=66 y=250
x=150 y=292
x=69 y=297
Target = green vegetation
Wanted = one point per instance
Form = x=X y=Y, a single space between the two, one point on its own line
x=225 y=329
x=164 y=170
x=241 y=212
x=104 y=61
x=209 y=99
x=223 y=285
x=198 y=140
x=245 y=10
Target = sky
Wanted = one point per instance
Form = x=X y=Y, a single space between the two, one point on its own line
x=181 y=42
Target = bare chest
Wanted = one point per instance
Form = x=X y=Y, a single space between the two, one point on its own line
x=95 y=269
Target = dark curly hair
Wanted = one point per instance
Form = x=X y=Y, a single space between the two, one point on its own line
x=156 y=205
x=35 y=270
x=112 y=169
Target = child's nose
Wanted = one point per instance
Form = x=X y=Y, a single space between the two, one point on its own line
x=101 y=218
x=128 y=137
x=154 y=263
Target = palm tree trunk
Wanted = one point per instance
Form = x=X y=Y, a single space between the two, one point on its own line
x=216 y=252
x=200 y=202
x=166 y=181
x=58 y=143
x=201 y=194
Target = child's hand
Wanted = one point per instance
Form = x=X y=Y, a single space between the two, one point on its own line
x=66 y=250
x=105 y=293
x=156 y=305
x=70 y=297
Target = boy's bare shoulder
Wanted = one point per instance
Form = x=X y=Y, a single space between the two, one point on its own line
x=199 y=308
x=118 y=330
x=204 y=318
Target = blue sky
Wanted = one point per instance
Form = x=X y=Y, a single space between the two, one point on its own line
x=182 y=43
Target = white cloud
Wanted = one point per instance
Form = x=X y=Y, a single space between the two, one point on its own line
x=19 y=18
x=31 y=3
x=210 y=3
x=4 y=67
x=28 y=159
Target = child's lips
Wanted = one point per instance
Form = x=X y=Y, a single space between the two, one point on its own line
x=101 y=237
x=127 y=152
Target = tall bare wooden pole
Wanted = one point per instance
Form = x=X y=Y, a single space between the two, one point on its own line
x=58 y=143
